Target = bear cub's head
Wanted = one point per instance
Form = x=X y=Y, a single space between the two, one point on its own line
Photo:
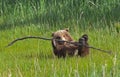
x=62 y=35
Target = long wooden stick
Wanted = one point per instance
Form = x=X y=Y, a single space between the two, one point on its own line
x=27 y=37
x=75 y=43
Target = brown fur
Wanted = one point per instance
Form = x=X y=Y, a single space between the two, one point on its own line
x=83 y=50
x=60 y=49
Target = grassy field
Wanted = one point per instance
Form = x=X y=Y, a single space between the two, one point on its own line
x=35 y=58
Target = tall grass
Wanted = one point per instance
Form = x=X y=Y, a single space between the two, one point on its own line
x=54 y=12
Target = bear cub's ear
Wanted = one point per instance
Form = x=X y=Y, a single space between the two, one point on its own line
x=52 y=34
x=67 y=29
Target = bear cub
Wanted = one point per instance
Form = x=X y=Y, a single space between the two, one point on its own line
x=60 y=49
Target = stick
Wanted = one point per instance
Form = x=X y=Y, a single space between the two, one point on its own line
x=78 y=44
x=106 y=51
x=75 y=43
x=27 y=37
x=35 y=37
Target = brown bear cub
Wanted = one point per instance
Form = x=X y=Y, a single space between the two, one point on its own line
x=83 y=49
x=60 y=49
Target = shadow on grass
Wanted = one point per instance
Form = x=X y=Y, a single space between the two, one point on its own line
x=51 y=19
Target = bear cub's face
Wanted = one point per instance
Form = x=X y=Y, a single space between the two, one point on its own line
x=60 y=48
x=62 y=35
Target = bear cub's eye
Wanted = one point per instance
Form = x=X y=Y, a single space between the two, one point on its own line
x=58 y=37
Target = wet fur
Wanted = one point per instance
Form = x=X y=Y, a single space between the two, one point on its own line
x=83 y=49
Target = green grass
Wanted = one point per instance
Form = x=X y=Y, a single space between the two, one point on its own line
x=34 y=58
